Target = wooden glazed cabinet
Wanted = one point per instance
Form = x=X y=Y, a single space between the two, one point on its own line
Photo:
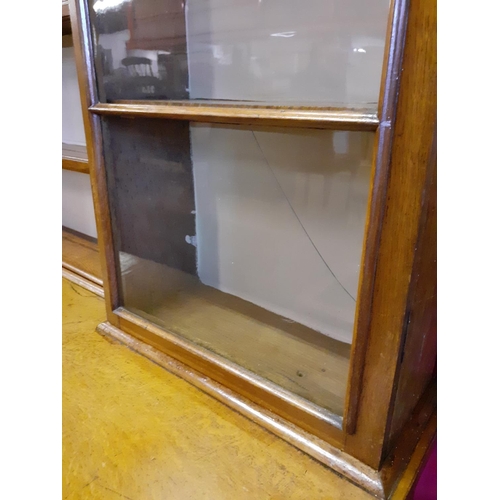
x=390 y=399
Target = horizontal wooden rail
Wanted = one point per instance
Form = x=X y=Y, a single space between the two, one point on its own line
x=341 y=118
x=75 y=158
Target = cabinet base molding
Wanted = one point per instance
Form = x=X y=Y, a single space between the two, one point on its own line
x=80 y=261
x=83 y=282
x=348 y=467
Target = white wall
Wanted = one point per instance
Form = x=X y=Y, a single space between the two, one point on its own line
x=77 y=206
x=73 y=131
x=262 y=197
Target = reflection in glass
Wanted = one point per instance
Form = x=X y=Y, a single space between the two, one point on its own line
x=327 y=52
x=246 y=241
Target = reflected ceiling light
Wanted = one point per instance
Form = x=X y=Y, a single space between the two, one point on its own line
x=103 y=5
x=360 y=50
x=285 y=34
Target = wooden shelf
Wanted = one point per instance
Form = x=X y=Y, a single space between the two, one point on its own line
x=80 y=261
x=312 y=365
x=75 y=158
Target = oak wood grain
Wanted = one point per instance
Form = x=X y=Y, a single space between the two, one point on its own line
x=341 y=119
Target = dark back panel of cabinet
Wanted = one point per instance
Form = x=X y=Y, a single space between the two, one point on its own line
x=150 y=175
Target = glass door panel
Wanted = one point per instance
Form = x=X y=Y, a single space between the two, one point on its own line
x=244 y=240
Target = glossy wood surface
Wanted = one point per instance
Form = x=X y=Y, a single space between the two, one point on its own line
x=340 y=119
x=398 y=471
x=133 y=430
x=80 y=261
x=418 y=352
x=309 y=417
x=325 y=453
x=75 y=158
x=81 y=255
x=409 y=162
x=79 y=280
x=396 y=32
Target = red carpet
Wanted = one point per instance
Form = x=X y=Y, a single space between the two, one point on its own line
x=426 y=487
